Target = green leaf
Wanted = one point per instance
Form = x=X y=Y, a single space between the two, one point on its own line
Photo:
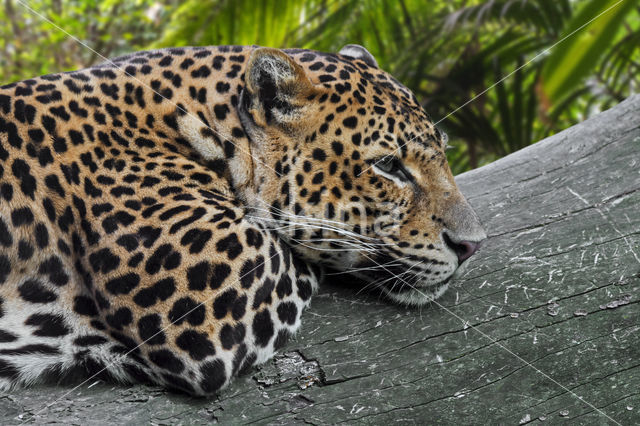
x=576 y=57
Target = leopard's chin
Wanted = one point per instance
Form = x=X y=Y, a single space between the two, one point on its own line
x=397 y=281
x=418 y=296
x=409 y=291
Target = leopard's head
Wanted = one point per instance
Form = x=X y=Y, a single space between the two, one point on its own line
x=350 y=171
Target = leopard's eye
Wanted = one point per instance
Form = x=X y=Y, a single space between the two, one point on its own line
x=391 y=165
x=388 y=164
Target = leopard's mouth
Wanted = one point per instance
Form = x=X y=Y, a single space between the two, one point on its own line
x=401 y=282
x=400 y=287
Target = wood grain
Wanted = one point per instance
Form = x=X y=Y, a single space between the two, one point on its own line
x=544 y=325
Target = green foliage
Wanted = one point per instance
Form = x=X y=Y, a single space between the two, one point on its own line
x=29 y=45
x=583 y=43
x=488 y=56
x=243 y=22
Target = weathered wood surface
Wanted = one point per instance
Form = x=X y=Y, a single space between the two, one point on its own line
x=543 y=326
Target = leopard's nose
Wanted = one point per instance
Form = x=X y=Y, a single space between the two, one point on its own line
x=463 y=249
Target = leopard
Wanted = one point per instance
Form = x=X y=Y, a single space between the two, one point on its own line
x=167 y=215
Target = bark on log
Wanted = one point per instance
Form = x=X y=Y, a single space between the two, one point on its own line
x=543 y=325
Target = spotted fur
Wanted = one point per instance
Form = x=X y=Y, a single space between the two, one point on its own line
x=163 y=216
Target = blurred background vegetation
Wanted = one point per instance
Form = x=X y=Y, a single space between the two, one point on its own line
x=446 y=51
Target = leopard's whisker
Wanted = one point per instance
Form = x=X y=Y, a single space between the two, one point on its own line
x=341 y=241
x=332 y=249
x=367 y=268
x=297 y=225
x=380 y=282
x=324 y=222
x=393 y=262
x=286 y=213
x=397 y=277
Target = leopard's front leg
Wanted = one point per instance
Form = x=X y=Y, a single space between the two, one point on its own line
x=200 y=293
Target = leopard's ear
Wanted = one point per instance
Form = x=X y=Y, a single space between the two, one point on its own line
x=276 y=88
x=358 y=52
